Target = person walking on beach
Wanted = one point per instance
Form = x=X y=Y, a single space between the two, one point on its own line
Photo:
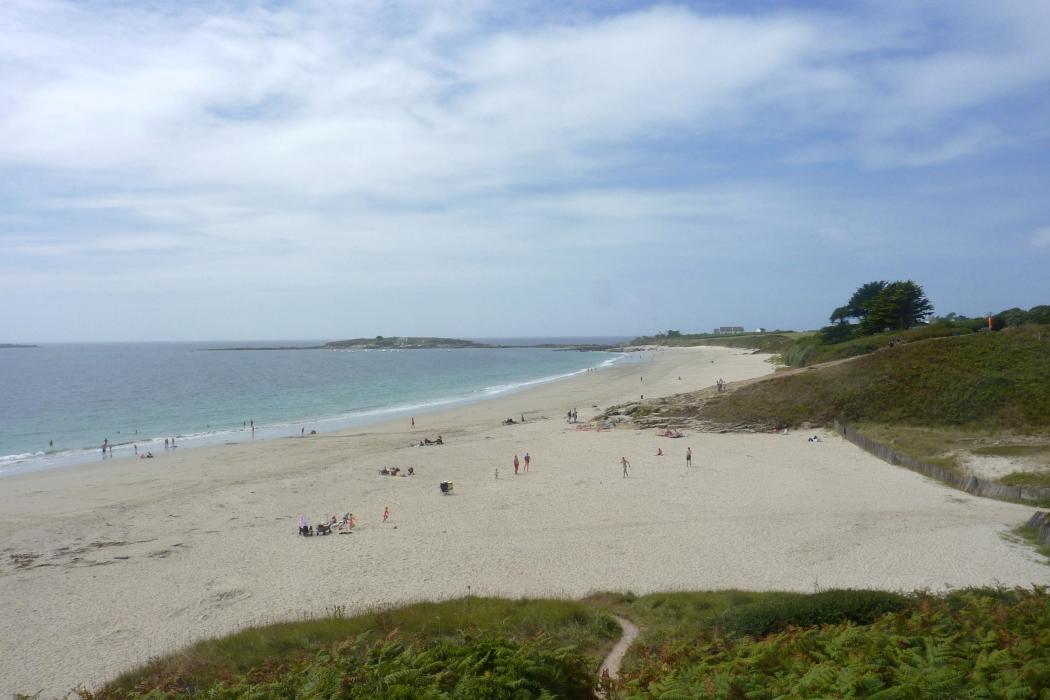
x=689 y=456
x=626 y=464
x=386 y=513
x=527 y=458
x=413 y=421
x=516 y=465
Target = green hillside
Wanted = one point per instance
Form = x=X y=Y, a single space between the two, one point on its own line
x=984 y=643
x=462 y=646
x=990 y=381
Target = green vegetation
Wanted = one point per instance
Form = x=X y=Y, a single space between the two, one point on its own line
x=815 y=349
x=1025 y=478
x=1030 y=536
x=358 y=670
x=992 y=381
x=879 y=306
x=973 y=644
x=664 y=617
x=311 y=649
x=988 y=643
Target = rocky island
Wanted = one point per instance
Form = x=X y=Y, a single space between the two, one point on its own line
x=402 y=343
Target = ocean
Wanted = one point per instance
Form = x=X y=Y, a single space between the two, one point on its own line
x=59 y=402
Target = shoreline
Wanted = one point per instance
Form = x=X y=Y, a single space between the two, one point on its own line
x=105 y=565
x=33 y=462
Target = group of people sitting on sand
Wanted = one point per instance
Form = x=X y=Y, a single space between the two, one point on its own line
x=671 y=433
x=325 y=528
x=396 y=471
x=721 y=384
x=427 y=441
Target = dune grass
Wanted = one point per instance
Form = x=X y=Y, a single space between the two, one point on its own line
x=1023 y=478
x=810 y=351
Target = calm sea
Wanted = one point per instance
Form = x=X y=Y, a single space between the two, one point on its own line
x=59 y=402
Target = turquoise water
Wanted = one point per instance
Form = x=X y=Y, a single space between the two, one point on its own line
x=59 y=402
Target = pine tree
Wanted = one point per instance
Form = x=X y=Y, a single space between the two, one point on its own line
x=899 y=305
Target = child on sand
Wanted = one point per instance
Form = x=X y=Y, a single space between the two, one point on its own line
x=625 y=463
x=527 y=458
x=516 y=463
x=386 y=513
x=689 y=456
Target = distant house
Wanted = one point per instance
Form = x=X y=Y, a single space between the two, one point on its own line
x=727 y=330
x=760 y=329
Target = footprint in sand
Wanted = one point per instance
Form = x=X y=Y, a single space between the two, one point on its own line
x=220 y=600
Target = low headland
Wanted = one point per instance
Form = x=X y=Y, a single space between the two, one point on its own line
x=416 y=343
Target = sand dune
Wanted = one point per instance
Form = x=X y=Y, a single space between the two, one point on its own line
x=105 y=565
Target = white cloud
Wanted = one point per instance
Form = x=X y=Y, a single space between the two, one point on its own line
x=337 y=146
x=319 y=101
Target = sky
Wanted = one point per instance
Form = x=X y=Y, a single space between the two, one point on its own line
x=323 y=170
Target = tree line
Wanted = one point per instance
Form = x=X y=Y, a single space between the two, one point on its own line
x=880 y=306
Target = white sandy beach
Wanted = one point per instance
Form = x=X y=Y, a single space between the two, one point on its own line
x=105 y=565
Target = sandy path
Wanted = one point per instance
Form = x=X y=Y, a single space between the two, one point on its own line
x=104 y=565
x=611 y=665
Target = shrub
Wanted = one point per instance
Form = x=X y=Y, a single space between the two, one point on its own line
x=973 y=644
x=827 y=607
